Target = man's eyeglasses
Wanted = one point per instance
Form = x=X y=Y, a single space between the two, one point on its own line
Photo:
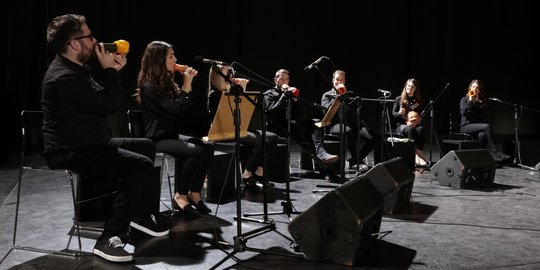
x=91 y=36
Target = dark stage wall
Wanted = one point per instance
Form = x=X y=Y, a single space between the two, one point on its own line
x=379 y=43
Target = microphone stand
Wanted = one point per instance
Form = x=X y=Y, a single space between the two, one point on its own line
x=385 y=123
x=287 y=203
x=518 y=109
x=429 y=108
x=240 y=240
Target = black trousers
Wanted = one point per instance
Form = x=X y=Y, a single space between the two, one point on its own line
x=192 y=160
x=254 y=141
x=126 y=160
x=483 y=132
x=360 y=141
x=414 y=133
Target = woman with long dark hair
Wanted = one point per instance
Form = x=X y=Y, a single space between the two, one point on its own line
x=406 y=112
x=164 y=102
x=217 y=86
x=474 y=118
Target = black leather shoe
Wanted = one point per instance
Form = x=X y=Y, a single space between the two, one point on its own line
x=250 y=181
x=499 y=156
x=187 y=210
x=250 y=185
x=260 y=179
x=201 y=207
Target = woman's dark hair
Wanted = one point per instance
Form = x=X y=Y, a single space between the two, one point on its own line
x=154 y=70
x=417 y=96
x=482 y=94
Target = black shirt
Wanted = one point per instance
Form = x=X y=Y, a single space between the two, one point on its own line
x=162 y=114
x=472 y=111
x=75 y=107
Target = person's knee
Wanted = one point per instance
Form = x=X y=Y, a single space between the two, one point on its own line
x=210 y=149
x=146 y=147
x=481 y=136
x=146 y=164
x=203 y=153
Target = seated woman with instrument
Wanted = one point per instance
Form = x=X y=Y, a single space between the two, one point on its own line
x=473 y=109
x=217 y=86
x=408 y=119
x=164 y=103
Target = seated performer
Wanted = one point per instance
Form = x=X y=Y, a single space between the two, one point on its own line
x=164 y=102
x=406 y=113
x=217 y=86
x=77 y=136
x=473 y=109
x=304 y=132
x=360 y=139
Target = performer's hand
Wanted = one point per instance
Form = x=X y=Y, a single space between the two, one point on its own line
x=413 y=119
x=242 y=82
x=402 y=111
x=120 y=60
x=188 y=78
x=105 y=58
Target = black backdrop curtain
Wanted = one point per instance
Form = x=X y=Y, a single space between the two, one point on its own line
x=378 y=43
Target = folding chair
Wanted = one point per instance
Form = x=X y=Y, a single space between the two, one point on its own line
x=32 y=159
x=458 y=140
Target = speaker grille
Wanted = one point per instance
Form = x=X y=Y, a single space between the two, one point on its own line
x=340 y=226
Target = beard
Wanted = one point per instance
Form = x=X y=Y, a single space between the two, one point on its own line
x=86 y=54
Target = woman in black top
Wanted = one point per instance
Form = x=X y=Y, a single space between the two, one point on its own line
x=164 y=103
x=217 y=85
x=406 y=113
x=474 y=118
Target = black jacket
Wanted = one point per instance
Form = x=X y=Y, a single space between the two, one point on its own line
x=162 y=114
x=75 y=107
x=472 y=112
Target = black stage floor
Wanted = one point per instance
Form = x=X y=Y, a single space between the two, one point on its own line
x=491 y=227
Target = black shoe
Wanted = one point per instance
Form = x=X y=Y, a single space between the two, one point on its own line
x=499 y=156
x=187 y=210
x=327 y=158
x=111 y=249
x=154 y=225
x=250 y=181
x=362 y=168
x=252 y=189
x=260 y=179
x=201 y=207
x=503 y=156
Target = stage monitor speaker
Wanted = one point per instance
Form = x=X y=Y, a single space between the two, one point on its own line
x=465 y=168
x=342 y=225
x=394 y=181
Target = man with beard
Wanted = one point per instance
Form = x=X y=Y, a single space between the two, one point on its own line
x=77 y=136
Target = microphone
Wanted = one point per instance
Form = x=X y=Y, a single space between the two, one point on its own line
x=315 y=63
x=119 y=46
x=385 y=92
x=199 y=58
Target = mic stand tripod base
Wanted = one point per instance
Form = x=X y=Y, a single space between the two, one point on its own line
x=287 y=210
x=265 y=220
